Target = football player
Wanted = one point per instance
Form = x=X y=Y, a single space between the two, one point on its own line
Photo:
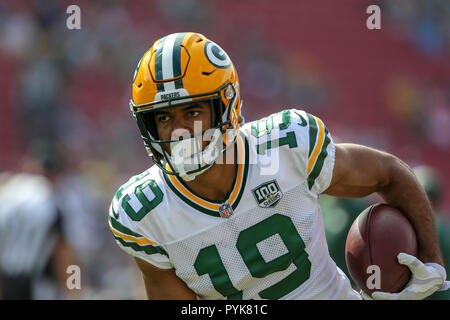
x=230 y=210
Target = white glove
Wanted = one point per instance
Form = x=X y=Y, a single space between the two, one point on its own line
x=425 y=280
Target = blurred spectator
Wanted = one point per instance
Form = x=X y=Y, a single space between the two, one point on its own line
x=406 y=101
x=430 y=181
x=438 y=119
x=34 y=254
x=423 y=108
x=426 y=23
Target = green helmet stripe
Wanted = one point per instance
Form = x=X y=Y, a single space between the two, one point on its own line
x=158 y=59
x=176 y=58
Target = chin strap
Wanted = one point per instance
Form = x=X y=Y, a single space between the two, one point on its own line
x=187 y=155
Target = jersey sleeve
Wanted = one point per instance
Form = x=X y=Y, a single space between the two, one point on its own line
x=316 y=150
x=295 y=138
x=131 y=236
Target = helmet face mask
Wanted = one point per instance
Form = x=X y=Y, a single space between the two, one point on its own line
x=156 y=146
x=214 y=82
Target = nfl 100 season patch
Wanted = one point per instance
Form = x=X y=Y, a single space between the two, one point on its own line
x=225 y=210
x=268 y=194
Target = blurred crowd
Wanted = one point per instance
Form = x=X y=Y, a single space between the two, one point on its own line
x=425 y=23
x=64 y=110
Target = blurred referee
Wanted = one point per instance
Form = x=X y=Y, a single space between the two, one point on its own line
x=33 y=253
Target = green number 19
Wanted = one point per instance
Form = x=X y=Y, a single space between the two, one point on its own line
x=266 y=125
x=209 y=262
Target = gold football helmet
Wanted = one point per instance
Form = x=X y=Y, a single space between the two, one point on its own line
x=179 y=69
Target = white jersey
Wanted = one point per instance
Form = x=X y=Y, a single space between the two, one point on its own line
x=266 y=240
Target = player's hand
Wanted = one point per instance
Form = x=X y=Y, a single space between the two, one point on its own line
x=425 y=280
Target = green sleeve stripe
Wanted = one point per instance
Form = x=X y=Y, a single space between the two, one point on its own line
x=148 y=249
x=312 y=133
x=319 y=162
x=122 y=229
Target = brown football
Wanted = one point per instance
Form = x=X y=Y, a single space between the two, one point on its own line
x=374 y=240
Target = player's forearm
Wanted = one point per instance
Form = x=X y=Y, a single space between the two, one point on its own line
x=404 y=192
x=163 y=284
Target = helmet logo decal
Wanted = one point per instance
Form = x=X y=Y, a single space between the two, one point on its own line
x=165 y=96
x=216 y=55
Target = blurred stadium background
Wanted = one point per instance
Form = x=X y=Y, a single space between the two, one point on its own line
x=64 y=93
